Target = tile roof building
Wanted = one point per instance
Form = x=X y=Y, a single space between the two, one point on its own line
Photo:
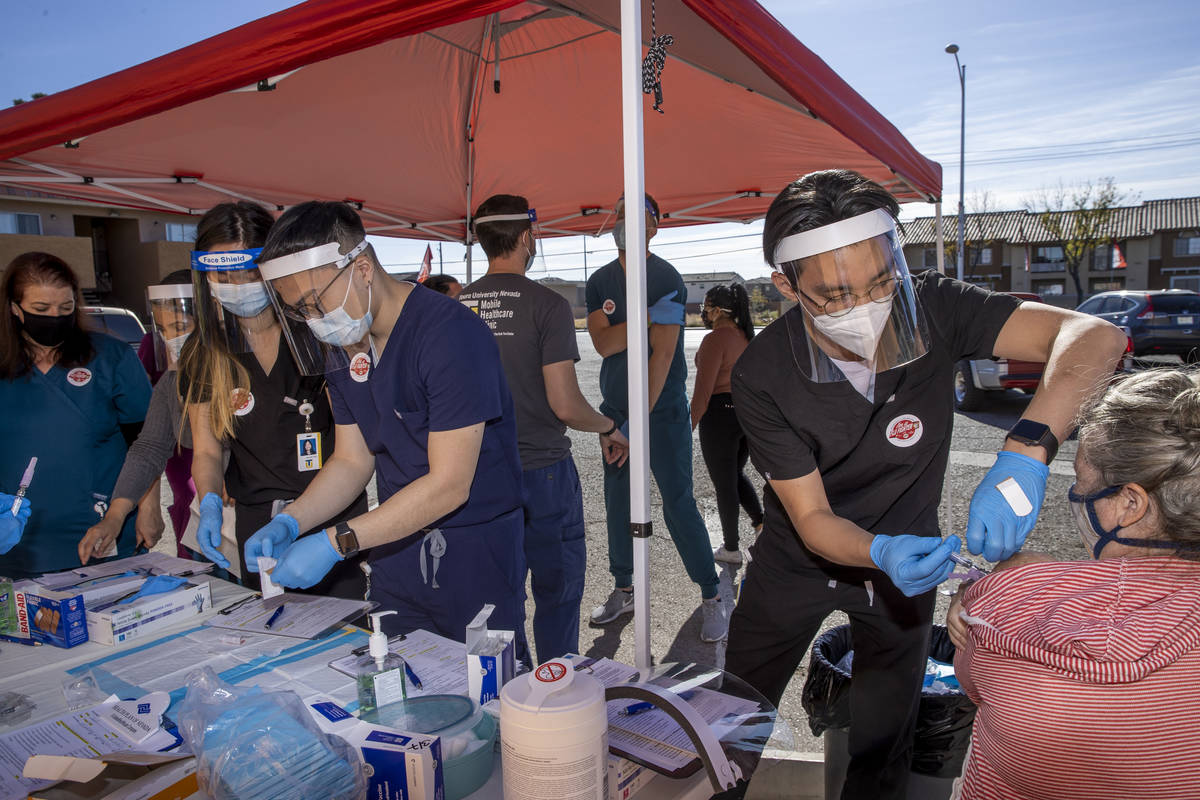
x=1158 y=241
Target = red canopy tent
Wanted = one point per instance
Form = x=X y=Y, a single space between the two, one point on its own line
x=392 y=103
x=415 y=111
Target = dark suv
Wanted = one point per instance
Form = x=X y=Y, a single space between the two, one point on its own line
x=1160 y=322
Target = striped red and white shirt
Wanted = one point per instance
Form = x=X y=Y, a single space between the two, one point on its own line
x=1087 y=679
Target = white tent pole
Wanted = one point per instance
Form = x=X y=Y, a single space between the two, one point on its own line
x=636 y=336
x=941 y=244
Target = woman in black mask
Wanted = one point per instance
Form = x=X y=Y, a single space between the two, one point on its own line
x=73 y=399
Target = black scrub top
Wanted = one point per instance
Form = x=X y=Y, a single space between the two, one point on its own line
x=882 y=461
x=263 y=455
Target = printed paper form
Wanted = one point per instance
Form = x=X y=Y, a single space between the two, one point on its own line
x=440 y=663
x=304 y=616
x=84 y=733
x=652 y=736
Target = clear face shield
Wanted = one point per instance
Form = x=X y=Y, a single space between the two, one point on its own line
x=618 y=230
x=231 y=296
x=859 y=314
x=172 y=312
x=324 y=300
x=535 y=257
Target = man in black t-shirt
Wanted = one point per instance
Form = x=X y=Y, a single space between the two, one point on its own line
x=535 y=331
x=847 y=405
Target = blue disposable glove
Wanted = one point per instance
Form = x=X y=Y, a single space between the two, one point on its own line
x=156 y=584
x=12 y=527
x=993 y=525
x=272 y=538
x=666 y=311
x=915 y=564
x=208 y=533
x=306 y=562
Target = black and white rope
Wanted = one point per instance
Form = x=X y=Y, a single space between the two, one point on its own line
x=655 y=61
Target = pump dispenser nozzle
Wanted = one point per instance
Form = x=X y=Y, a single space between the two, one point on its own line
x=378 y=644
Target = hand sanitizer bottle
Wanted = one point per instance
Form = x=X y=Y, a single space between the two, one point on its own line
x=379 y=673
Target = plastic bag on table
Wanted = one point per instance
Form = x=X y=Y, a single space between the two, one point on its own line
x=252 y=744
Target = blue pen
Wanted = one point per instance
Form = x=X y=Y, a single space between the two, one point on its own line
x=412 y=676
x=637 y=708
x=275 y=617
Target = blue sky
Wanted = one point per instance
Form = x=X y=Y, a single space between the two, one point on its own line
x=1056 y=90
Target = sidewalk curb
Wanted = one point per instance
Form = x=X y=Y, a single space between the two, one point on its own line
x=786 y=774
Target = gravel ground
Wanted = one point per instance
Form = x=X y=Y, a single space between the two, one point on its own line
x=675 y=614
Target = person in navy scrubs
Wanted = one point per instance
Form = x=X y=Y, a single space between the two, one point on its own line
x=73 y=398
x=420 y=399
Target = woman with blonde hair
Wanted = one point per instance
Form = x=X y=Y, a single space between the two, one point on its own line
x=1087 y=673
x=242 y=392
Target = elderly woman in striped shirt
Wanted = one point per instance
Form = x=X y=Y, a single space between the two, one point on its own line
x=1087 y=674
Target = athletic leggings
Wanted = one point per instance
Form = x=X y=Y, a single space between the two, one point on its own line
x=725 y=454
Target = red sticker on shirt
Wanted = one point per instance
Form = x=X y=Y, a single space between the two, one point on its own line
x=905 y=430
x=550 y=672
x=243 y=402
x=360 y=367
x=80 y=376
x=609 y=306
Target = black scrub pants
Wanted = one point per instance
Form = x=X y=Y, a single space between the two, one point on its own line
x=777 y=616
x=725 y=455
x=346 y=580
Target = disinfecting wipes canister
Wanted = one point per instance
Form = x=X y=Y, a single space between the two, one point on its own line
x=554 y=735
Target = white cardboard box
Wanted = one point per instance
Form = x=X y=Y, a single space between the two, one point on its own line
x=400 y=765
x=135 y=620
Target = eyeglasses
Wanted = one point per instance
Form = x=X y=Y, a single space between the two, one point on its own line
x=842 y=304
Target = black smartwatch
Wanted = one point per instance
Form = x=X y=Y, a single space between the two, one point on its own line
x=611 y=430
x=1035 y=434
x=345 y=539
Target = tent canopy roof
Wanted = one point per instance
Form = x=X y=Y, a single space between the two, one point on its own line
x=393 y=104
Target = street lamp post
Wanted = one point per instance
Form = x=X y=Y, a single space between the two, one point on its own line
x=961 y=69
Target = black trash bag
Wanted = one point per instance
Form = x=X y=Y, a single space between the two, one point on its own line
x=943 y=721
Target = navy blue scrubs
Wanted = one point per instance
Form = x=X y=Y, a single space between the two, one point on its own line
x=441 y=371
x=71 y=420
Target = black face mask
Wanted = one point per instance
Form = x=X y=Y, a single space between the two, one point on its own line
x=48 y=330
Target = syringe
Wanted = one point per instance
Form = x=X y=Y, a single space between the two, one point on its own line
x=26 y=479
x=969 y=564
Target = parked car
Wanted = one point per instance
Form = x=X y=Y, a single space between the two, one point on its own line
x=1160 y=321
x=975 y=381
x=120 y=323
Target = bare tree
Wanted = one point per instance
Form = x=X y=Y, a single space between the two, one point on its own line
x=982 y=230
x=1077 y=219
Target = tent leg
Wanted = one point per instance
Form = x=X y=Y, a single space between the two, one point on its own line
x=637 y=344
x=941 y=244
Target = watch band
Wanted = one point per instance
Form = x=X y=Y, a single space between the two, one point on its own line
x=611 y=430
x=345 y=539
x=1035 y=434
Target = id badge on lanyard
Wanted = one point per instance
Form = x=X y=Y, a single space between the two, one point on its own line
x=308 y=444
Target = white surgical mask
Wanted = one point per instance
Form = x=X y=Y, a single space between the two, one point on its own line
x=858 y=331
x=532 y=256
x=175 y=346
x=338 y=327
x=241 y=299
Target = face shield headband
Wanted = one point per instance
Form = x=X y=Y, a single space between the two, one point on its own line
x=1094 y=534
x=529 y=216
x=618 y=230
x=859 y=314
x=323 y=338
x=172 y=313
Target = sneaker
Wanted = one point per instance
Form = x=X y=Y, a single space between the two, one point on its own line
x=619 y=602
x=728 y=556
x=715 y=625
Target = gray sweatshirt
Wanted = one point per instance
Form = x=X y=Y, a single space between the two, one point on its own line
x=147 y=457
